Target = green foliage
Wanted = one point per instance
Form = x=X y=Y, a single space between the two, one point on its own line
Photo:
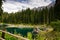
x=49 y=36
x=40 y=37
x=57 y=35
x=29 y=35
x=1 y=11
x=57 y=9
x=44 y=16
x=15 y=32
x=8 y=37
x=56 y=25
x=37 y=37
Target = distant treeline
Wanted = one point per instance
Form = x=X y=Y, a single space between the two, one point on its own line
x=44 y=16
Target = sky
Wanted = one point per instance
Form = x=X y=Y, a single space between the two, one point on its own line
x=17 y=5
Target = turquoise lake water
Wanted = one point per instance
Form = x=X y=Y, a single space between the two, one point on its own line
x=22 y=31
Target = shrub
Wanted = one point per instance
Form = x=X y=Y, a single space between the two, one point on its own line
x=29 y=35
x=56 y=25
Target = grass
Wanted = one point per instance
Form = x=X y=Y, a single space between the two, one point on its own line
x=54 y=35
x=49 y=36
x=8 y=37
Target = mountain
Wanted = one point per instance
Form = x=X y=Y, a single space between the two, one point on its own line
x=48 y=6
x=51 y=4
x=16 y=5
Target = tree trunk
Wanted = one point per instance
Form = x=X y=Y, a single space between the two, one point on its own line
x=3 y=34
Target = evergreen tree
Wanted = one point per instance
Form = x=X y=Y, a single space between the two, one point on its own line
x=57 y=9
x=1 y=11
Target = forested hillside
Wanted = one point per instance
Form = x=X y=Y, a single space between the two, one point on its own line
x=29 y=16
x=44 y=16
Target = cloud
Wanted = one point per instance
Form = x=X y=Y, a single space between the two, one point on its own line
x=16 y=5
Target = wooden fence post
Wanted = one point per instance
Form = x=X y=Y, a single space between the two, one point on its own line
x=3 y=34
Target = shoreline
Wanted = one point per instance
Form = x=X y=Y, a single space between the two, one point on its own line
x=24 y=25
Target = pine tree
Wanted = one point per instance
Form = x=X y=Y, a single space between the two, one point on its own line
x=57 y=9
x=1 y=11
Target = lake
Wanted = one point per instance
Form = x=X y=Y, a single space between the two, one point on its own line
x=22 y=31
